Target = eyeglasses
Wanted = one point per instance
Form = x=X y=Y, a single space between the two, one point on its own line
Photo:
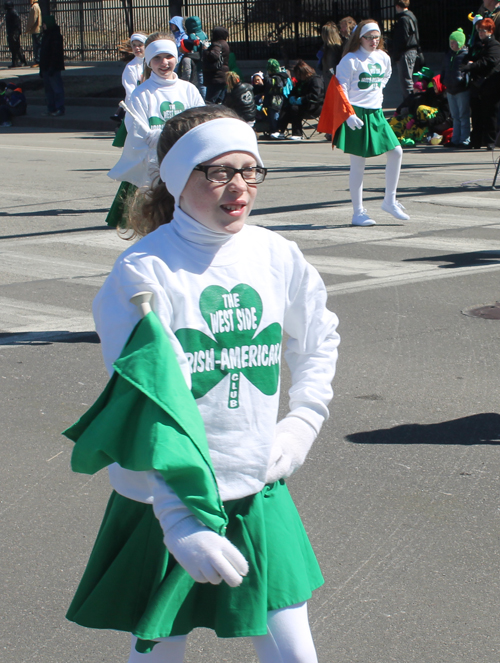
x=371 y=38
x=224 y=174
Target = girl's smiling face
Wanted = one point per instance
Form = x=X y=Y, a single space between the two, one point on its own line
x=137 y=48
x=163 y=65
x=220 y=207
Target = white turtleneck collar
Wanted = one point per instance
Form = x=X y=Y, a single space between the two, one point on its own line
x=209 y=246
x=137 y=60
x=365 y=52
x=163 y=82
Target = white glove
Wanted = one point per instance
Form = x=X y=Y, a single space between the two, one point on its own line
x=353 y=122
x=292 y=440
x=149 y=136
x=205 y=555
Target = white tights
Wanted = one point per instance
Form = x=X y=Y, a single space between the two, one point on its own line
x=392 y=170
x=288 y=640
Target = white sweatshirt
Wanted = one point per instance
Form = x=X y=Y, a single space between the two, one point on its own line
x=131 y=76
x=154 y=101
x=225 y=301
x=364 y=75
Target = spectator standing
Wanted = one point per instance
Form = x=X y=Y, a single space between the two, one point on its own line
x=274 y=94
x=456 y=83
x=177 y=29
x=346 y=26
x=195 y=33
x=239 y=97
x=332 y=50
x=34 y=28
x=51 y=65
x=216 y=66
x=13 y=28
x=188 y=66
x=484 y=70
x=491 y=9
x=405 y=45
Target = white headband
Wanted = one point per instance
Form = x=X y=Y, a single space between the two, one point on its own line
x=368 y=28
x=138 y=37
x=160 y=46
x=204 y=142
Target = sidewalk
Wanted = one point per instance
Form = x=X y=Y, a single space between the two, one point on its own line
x=89 y=105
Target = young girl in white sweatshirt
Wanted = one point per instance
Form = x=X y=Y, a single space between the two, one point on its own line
x=161 y=96
x=225 y=294
x=363 y=73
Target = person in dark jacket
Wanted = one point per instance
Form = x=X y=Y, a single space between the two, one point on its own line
x=305 y=100
x=51 y=65
x=331 y=50
x=195 y=32
x=216 y=66
x=188 y=66
x=456 y=84
x=346 y=26
x=13 y=27
x=405 y=45
x=275 y=81
x=240 y=98
x=484 y=69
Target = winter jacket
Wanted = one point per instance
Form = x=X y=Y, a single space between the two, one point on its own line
x=452 y=78
x=52 y=51
x=241 y=100
x=405 y=34
x=273 y=90
x=12 y=23
x=180 y=34
x=485 y=70
x=188 y=68
x=216 y=58
x=332 y=55
x=312 y=93
x=34 y=25
x=193 y=28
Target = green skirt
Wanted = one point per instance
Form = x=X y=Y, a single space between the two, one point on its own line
x=374 y=138
x=131 y=583
x=117 y=215
x=120 y=136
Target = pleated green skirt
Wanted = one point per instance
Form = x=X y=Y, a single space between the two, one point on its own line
x=120 y=136
x=131 y=583
x=374 y=138
x=117 y=215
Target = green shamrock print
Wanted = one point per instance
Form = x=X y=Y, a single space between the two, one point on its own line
x=168 y=109
x=375 y=77
x=233 y=318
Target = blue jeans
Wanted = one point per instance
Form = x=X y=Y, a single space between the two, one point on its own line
x=460 y=112
x=215 y=93
x=54 y=91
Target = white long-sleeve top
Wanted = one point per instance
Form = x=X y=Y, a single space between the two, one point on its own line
x=131 y=76
x=224 y=302
x=363 y=76
x=154 y=102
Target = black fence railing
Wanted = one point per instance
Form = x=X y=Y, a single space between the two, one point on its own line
x=258 y=29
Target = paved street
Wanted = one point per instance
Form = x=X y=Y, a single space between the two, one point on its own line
x=399 y=494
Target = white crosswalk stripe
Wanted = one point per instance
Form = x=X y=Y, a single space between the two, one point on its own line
x=89 y=256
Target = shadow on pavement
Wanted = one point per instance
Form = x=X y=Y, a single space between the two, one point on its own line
x=57 y=212
x=48 y=338
x=475 y=429
x=454 y=260
x=57 y=232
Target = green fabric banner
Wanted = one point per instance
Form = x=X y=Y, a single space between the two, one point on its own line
x=147 y=419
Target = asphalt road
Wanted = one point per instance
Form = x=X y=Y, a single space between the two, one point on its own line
x=400 y=492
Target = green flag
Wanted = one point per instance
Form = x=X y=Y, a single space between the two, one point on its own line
x=147 y=419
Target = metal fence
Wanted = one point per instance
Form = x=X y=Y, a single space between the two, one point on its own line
x=258 y=29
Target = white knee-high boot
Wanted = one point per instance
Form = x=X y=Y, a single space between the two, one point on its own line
x=392 y=170
x=169 y=650
x=356 y=174
x=289 y=638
